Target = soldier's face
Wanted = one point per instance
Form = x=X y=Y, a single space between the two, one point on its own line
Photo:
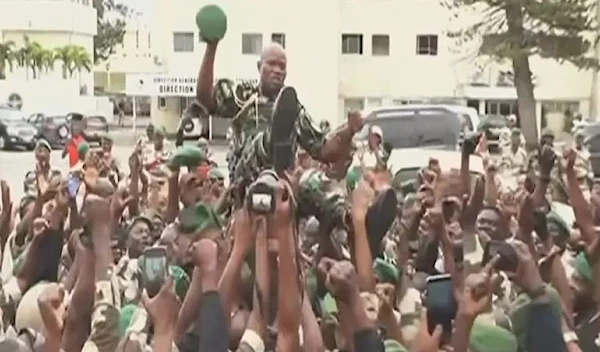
x=42 y=155
x=273 y=70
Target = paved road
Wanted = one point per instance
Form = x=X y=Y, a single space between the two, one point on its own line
x=15 y=164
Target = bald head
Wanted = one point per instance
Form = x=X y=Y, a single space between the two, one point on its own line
x=273 y=69
x=273 y=49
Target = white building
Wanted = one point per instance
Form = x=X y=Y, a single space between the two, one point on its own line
x=134 y=55
x=345 y=55
x=51 y=23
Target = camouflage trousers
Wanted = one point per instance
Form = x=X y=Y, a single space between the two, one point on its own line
x=249 y=158
x=318 y=195
x=322 y=197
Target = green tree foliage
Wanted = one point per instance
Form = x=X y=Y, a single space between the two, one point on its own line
x=111 y=20
x=514 y=30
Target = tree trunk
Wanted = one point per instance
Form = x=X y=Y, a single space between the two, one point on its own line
x=35 y=72
x=64 y=72
x=522 y=77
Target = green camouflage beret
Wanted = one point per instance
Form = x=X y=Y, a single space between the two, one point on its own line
x=181 y=280
x=490 y=338
x=189 y=155
x=215 y=173
x=197 y=218
x=386 y=271
x=390 y=345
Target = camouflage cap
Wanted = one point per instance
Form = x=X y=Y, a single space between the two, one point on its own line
x=43 y=143
x=198 y=218
x=144 y=218
x=546 y=132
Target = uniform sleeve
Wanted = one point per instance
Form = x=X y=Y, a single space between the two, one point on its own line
x=104 y=334
x=310 y=136
x=10 y=296
x=230 y=97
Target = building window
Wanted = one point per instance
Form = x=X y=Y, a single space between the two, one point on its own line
x=149 y=42
x=183 y=42
x=380 y=45
x=252 y=43
x=162 y=103
x=562 y=107
x=137 y=39
x=374 y=102
x=427 y=45
x=353 y=104
x=278 y=38
x=352 y=44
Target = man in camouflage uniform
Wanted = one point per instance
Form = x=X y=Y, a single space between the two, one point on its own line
x=266 y=113
x=42 y=168
x=583 y=165
x=514 y=158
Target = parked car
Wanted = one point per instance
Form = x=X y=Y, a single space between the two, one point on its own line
x=412 y=127
x=405 y=164
x=94 y=127
x=54 y=129
x=15 y=131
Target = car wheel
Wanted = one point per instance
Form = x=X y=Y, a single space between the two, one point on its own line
x=188 y=125
x=3 y=143
x=63 y=131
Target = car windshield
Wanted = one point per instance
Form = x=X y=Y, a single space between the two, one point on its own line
x=415 y=128
x=94 y=122
x=57 y=120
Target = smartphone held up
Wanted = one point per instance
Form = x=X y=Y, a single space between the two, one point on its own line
x=154 y=269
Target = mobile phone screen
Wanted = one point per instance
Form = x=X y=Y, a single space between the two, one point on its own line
x=155 y=268
x=440 y=303
x=73 y=185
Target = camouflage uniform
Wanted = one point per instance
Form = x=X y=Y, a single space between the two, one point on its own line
x=30 y=182
x=583 y=169
x=322 y=197
x=104 y=334
x=251 y=115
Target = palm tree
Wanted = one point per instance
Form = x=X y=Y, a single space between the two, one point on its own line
x=24 y=56
x=81 y=60
x=38 y=59
x=65 y=54
x=48 y=60
x=7 y=57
